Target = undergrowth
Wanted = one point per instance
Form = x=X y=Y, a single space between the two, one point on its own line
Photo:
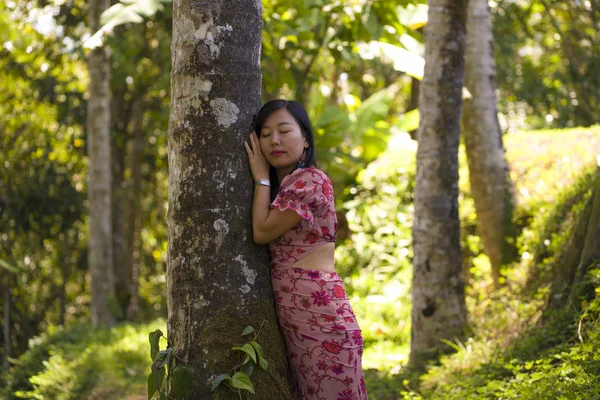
x=82 y=363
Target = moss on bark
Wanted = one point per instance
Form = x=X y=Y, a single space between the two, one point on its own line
x=224 y=331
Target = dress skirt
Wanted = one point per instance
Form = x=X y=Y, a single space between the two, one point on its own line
x=323 y=340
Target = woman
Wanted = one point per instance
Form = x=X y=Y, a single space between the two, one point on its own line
x=294 y=212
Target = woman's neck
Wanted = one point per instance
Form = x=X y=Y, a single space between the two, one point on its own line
x=282 y=172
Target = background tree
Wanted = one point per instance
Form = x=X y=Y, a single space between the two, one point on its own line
x=488 y=170
x=218 y=280
x=438 y=309
x=101 y=263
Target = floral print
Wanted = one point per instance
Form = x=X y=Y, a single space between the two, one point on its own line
x=323 y=340
x=307 y=191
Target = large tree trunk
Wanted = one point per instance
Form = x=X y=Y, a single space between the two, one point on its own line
x=100 y=252
x=217 y=279
x=439 y=310
x=488 y=169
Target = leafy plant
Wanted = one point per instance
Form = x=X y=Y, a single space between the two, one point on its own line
x=181 y=376
x=238 y=378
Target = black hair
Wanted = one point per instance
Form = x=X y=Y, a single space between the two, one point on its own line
x=299 y=113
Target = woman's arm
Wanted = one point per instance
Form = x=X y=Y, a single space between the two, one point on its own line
x=267 y=224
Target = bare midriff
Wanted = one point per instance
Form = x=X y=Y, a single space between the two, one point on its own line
x=321 y=259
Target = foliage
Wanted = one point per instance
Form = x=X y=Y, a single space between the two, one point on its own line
x=547 y=62
x=81 y=363
x=238 y=378
x=376 y=258
x=180 y=377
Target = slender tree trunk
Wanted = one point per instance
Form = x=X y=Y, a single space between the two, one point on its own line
x=439 y=310
x=217 y=279
x=7 y=323
x=413 y=103
x=119 y=138
x=100 y=253
x=488 y=169
x=65 y=272
x=120 y=191
x=134 y=210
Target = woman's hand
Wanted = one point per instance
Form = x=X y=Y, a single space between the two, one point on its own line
x=258 y=163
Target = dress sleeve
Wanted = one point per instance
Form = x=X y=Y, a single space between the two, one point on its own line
x=302 y=192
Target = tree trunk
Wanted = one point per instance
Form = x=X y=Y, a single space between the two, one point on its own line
x=6 y=322
x=134 y=211
x=439 y=310
x=100 y=252
x=65 y=272
x=120 y=190
x=413 y=102
x=488 y=169
x=581 y=250
x=217 y=279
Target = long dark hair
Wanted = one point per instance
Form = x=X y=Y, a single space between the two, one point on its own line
x=299 y=113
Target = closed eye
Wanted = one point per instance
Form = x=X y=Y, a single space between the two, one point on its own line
x=285 y=131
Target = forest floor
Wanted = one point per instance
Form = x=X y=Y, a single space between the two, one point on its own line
x=508 y=354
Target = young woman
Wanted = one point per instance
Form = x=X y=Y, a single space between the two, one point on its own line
x=294 y=212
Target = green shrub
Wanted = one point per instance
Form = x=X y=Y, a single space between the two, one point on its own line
x=82 y=363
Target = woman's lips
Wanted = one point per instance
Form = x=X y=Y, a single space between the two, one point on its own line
x=277 y=153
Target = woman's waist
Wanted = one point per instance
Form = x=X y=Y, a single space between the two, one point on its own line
x=319 y=258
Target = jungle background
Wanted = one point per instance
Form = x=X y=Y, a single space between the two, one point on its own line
x=356 y=65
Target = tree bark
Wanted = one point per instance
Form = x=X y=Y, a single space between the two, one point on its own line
x=100 y=252
x=217 y=279
x=439 y=310
x=488 y=169
x=135 y=151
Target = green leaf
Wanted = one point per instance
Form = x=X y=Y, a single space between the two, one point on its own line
x=162 y=396
x=248 y=368
x=151 y=385
x=153 y=338
x=409 y=121
x=248 y=349
x=249 y=329
x=219 y=379
x=162 y=358
x=159 y=376
x=181 y=380
x=8 y=267
x=262 y=362
x=242 y=381
x=305 y=35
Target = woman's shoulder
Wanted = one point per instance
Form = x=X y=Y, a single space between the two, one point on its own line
x=309 y=174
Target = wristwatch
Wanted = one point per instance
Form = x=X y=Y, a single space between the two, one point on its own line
x=262 y=182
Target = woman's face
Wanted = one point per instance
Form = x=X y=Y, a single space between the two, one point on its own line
x=282 y=141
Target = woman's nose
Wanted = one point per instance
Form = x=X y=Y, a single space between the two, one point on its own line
x=275 y=138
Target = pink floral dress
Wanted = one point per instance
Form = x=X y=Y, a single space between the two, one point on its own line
x=323 y=339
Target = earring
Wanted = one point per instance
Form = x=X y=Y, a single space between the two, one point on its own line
x=302 y=159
